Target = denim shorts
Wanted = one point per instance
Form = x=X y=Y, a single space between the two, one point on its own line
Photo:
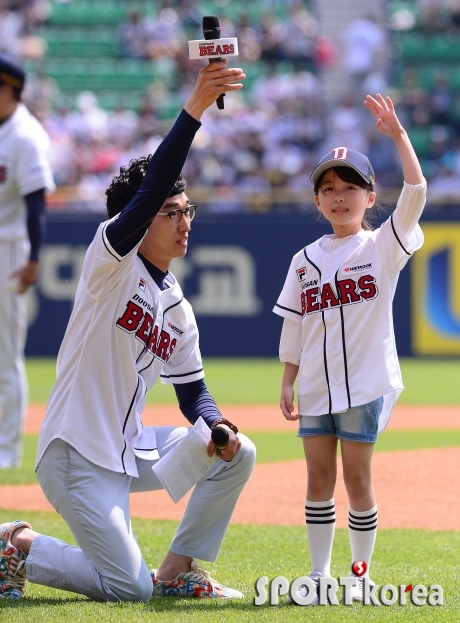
x=355 y=424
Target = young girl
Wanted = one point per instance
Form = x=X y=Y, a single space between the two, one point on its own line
x=338 y=338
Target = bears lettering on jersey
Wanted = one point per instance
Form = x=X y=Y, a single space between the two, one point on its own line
x=139 y=322
x=347 y=291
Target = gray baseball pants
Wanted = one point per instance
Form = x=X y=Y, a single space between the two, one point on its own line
x=94 y=502
x=13 y=329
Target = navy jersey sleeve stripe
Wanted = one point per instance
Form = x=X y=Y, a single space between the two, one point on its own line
x=293 y=311
x=176 y=376
x=109 y=250
x=396 y=236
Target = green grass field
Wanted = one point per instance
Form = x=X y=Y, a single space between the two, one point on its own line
x=249 y=552
x=257 y=381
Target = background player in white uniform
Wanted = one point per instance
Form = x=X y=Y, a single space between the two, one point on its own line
x=25 y=174
x=338 y=338
x=130 y=324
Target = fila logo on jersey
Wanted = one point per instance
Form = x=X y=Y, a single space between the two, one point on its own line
x=2 y=175
x=357 y=268
x=141 y=285
x=158 y=341
x=301 y=272
x=349 y=292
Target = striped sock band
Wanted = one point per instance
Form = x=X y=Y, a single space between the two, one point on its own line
x=362 y=530
x=320 y=520
x=319 y=512
x=362 y=521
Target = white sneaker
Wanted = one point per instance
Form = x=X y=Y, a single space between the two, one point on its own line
x=357 y=592
x=303 y=590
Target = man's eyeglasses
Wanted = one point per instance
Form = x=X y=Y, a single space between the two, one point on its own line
x=175 y=216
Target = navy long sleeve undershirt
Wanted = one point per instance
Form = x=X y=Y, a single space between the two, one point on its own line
x=36 y=221
x=125 y=232
x=195 y=400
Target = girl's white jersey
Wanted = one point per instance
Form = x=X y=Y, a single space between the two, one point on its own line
x=123 y=334
x=343 y=301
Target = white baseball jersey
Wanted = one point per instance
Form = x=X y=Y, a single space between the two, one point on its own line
x=123 y=334
x=343 y=301
x=24 y=168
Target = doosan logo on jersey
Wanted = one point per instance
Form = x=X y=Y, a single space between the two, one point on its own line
x=309 y=284
x=142 y=302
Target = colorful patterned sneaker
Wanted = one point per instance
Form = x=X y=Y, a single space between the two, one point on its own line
x=12 y=562
x=194 y=583
x=303 y=590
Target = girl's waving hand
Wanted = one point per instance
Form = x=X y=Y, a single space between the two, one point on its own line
x=384 y=112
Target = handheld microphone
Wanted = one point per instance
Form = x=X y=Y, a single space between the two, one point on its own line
x=211 y=30
x=220 y=436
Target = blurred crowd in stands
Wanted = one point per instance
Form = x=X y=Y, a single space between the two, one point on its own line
x=427 y=16
x=19 y=20
x=165 y=34
x=272 y=136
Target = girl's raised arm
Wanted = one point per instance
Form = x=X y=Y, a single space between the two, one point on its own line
x=388 y=123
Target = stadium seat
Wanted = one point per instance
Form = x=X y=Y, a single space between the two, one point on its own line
x=82 y=13
x=420 y=139
x=63 y=43
x=410 y=46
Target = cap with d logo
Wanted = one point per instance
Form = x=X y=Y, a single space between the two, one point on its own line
x=344 y=157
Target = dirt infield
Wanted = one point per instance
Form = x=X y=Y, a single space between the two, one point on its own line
x=411 y=487
x=259 y=417
x=415 y=489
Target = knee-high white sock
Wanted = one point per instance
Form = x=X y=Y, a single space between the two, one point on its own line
x=362 y=529
x=320 y=520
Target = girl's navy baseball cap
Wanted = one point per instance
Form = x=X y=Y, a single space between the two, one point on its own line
x=344 y=157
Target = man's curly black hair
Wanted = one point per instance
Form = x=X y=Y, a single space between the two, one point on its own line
x=125 y=185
